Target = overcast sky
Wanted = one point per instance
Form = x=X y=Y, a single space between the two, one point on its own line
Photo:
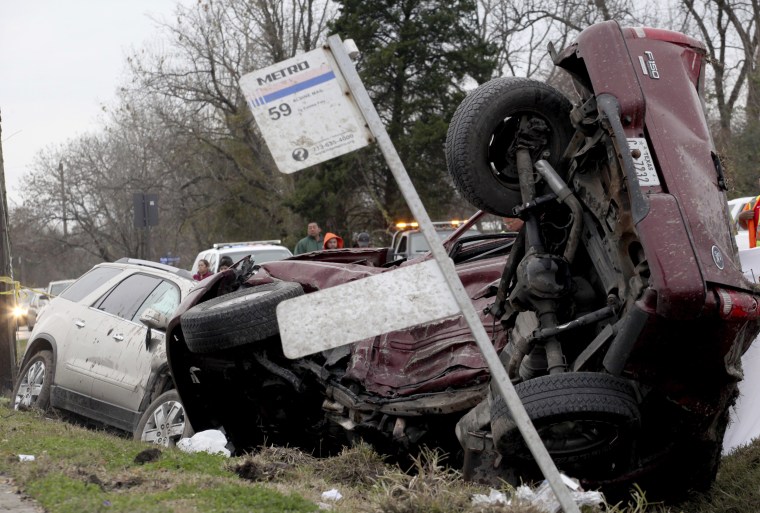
x=60 y=60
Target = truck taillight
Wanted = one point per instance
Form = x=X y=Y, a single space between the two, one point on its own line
x=737 y=305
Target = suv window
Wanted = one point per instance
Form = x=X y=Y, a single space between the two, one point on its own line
x=126 y=298
x=89 y=282
x=165 y=298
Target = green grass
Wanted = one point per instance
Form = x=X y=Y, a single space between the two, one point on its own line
x=84 y=470
x=78 y=469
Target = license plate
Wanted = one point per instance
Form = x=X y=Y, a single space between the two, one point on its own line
x=643 y=163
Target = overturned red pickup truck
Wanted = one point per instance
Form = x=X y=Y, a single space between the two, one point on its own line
x=619 y=310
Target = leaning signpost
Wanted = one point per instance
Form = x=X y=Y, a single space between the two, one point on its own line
x=312 y=108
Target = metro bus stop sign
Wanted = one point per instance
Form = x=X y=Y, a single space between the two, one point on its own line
x=301 y=108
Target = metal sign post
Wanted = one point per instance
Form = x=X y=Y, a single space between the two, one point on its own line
x=498 y=373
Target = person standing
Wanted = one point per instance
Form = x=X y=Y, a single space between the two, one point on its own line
x=332 y=241
x=204 y=270
x=225 y=263
x=362 y=240
x=312 y=241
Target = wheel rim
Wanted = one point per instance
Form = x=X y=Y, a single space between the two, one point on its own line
x=578 y=436
x=502 y=147
x=30 y=387
x=166 y=424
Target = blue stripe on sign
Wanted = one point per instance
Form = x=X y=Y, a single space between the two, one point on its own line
x=295 y=88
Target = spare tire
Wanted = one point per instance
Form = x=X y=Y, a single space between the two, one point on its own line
x=236 y=319
x=480 y=149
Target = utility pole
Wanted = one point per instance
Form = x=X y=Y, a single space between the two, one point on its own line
x=7 y=325
x=63 y=200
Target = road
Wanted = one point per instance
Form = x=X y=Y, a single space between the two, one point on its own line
x=12 y=500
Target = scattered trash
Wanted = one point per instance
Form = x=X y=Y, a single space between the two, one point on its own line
x=495 y=497
x=332 y=495
x=147 y=456
x=543 y=496
x=211 y=441
x=25 y=457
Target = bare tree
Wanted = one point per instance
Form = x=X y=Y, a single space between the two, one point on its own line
x=729 y=29
x=522 y=29
x=193 y=90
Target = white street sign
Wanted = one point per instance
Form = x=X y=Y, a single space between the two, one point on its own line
x=305 y=111
x=360 y=309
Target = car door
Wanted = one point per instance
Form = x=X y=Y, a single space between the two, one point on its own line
x=67 y=320
x=122 y=358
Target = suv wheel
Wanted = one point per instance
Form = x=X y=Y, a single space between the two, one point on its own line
x=164 y=422
x=32 y=388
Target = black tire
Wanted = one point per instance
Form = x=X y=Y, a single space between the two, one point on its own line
x=164 y=421
x=586 y=421
x=33 y=384
x=236 y=319
x=478 y=143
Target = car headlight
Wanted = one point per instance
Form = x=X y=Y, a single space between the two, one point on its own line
x=18 y=311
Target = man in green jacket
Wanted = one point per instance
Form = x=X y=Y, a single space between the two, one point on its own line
x=312 y=242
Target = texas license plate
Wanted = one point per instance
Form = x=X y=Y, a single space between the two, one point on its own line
x=643 y=163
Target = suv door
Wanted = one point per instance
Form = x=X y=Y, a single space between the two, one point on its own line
x=121 y=357
x=66 y=321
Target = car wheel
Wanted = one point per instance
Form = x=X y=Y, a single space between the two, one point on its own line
x=480 y=149
x=585 y=420
x=164 y=422
x=32 y=388
x=236 y=319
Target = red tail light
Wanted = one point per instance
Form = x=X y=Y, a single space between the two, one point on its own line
x=738 y=305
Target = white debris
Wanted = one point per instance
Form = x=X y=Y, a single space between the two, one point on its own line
x=495 y=497
x=211 y=441
x=25 y=457
x=331 y=495
x=543 y=496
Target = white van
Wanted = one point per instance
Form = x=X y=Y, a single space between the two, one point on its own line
x=261 y=251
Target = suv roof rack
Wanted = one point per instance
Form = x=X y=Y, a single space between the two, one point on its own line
x=155 y=265
x=245 y=243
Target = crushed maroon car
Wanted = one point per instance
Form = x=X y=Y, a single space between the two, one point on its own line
x=619 y=310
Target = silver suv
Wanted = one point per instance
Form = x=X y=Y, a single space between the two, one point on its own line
x=98 y=350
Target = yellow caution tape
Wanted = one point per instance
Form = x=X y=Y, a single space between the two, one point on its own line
x=16 y=287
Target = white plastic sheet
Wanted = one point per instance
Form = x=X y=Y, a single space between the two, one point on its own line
x=744 y=425
x=211 y=441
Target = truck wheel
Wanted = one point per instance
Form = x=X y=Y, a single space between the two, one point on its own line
x=586 y=420
x=236 y=319
x=33 y=384
x=480 y=152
